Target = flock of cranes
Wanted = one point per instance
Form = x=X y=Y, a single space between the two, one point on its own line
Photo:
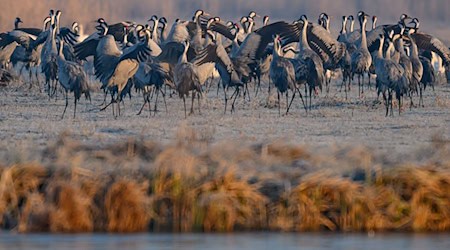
x=298 y=57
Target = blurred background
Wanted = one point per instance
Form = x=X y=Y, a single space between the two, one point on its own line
x=434 y=14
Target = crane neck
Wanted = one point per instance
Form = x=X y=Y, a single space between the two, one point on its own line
x=250 y=27
x=155 y=31
x=303 y=40
x=374 y=24
x=389 y=51
x=276 y=48
x=344 y=24
x=352 y=25
x=183 y=57
x=60 y=51
x=363 y=34
x=400 y=46
x=414 y=50
x=380 y=49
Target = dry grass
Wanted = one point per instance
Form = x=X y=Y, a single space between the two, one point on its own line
x=192 y=184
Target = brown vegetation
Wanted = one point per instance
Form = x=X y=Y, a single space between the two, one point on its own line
x=194 y=185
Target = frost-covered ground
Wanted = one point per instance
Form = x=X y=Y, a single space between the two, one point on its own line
x=29 y=119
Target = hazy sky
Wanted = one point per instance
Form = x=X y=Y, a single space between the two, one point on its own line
x=431 y=12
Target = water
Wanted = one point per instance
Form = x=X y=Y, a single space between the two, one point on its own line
x=272 y=241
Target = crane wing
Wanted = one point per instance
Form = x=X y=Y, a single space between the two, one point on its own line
x=106 y=59
x=431 y=43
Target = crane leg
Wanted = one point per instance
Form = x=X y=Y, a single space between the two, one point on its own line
x=140 y=110
x=226 y=100
x=192 y=104
x=67 y=103
x=391 y=104
x=287 y=101
x=148 y=100
x=198 y=100
x=292 y=99
x=156 y=101
x=235 y=98
x=362 y=85
x=184 y=102
x=37 y=79
x=279 y=104
x=345 y=87
x=421 y=97
x=246 y=92
x=75 y=108
x=386 y=102
x=164 y=98
x=310 y=98
x=31 y=78
x=301 y=97
x=218 y=86
x=359 y=86
x=109 y=104
x=118 y=101
x=258 y=86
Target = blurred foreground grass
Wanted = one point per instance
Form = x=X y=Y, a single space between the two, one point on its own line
x=195 y=185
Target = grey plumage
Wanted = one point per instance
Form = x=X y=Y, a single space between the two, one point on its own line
x=417 y=68
x=215 y=53
x=282 y=75
x=390 y=78
x=114 y=68
x=72 y=78
x=6 y=52
x=361 y=58
x=186 y=80
x=48 y=61
x=310 y=67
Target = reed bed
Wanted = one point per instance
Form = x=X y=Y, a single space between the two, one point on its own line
x=196 y=185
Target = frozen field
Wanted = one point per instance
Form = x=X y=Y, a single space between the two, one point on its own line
x=28 y=117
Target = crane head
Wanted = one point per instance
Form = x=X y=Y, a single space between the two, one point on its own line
x=416 y=23
x=253 y=14
x=163 y=20
x=154 y=18
x=101 y=20
x=266 y=19
x=75 y=27
x=362 y=14
x=303 y=18
x=324 y=16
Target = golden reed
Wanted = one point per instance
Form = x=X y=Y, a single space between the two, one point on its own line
x=195 y=185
